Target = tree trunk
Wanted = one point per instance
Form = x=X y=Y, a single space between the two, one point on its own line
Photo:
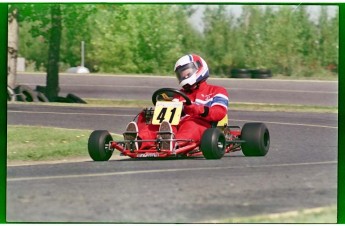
x=52 y=88
x=12 y=52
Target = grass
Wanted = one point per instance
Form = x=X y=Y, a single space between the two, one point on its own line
x=324 y=76
x=316 y=215
x=118 y=103
x=236 y=106
x=34 y=143
x=282 y=108
x=232 y=106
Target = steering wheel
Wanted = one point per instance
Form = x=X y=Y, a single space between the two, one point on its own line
x=165 y=93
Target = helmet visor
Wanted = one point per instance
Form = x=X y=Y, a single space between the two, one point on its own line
x=185 y=71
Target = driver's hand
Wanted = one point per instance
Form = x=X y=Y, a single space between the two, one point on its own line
x=194 y=109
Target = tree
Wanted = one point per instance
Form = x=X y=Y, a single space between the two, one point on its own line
x=327 y=38
x=12 y=51
x=49 y=28
x=77 y=23
x=283 y=43
x=148 y=38
x=140 y=38
x=162 y=34
x=219 y=38
x=52 y=88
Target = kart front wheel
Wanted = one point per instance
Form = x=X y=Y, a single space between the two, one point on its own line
x=213 y=144
x=98 y=145
x=257 y=139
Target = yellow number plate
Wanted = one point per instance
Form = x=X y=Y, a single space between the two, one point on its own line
x=167 y=110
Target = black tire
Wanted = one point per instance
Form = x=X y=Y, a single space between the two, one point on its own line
x=41 y=89
x=61 y=100
x=74 y=99
x=261 y=76
x=11 y=96
x=257 y=139
x=41 y=97
x=240 y=73
x=28 y=94
x=261 y=73
x=213 y=144
x=97 y=145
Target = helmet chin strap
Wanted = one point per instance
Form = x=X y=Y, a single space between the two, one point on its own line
x=188 y=88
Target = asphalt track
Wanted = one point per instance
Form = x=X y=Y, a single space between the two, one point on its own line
x=300 y=171
x=318 y=93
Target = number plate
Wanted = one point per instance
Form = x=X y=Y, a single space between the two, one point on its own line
x=167 y=110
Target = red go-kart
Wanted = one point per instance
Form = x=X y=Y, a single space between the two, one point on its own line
x=253 y=139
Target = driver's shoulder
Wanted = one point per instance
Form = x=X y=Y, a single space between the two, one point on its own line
x=217 y=89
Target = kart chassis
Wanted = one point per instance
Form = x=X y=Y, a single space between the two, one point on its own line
x=232 y=144
x=252 y=139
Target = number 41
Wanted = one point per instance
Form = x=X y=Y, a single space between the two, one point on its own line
x=162 y=113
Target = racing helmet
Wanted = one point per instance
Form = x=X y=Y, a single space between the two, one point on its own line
x=190 y=70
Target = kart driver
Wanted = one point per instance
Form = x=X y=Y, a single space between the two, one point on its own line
x=209 y=104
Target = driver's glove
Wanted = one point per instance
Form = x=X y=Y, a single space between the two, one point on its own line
x=194 y=109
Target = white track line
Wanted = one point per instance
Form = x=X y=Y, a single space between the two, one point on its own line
x=163 y=171
x=237 y=120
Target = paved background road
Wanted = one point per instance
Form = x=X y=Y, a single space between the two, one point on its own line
x=319 y=93
x=300 y=171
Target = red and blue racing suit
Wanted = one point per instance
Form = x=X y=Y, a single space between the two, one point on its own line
x=210 y=104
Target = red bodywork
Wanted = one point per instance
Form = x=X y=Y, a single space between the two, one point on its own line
x=190 y=150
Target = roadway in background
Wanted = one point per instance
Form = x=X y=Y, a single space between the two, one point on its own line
x=302 y=92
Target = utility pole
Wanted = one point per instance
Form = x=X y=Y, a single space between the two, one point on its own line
x=82 y=69
x=82 y=53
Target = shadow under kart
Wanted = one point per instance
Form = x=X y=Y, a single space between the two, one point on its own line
x=253 y=139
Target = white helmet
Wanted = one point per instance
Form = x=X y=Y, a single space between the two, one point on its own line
x=190 y=70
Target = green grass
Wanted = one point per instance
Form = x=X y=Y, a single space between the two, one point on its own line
x=282 y=107
x=118 y=103
x=324 y=76
x=236 y=106
x=232 y=106
x=33 y=143
x=316 y=215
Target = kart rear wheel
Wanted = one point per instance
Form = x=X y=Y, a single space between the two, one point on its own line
x=213 y=144
x=98 y=145
x=257 y=139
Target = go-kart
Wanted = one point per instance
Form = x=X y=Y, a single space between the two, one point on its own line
x=253 y=139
